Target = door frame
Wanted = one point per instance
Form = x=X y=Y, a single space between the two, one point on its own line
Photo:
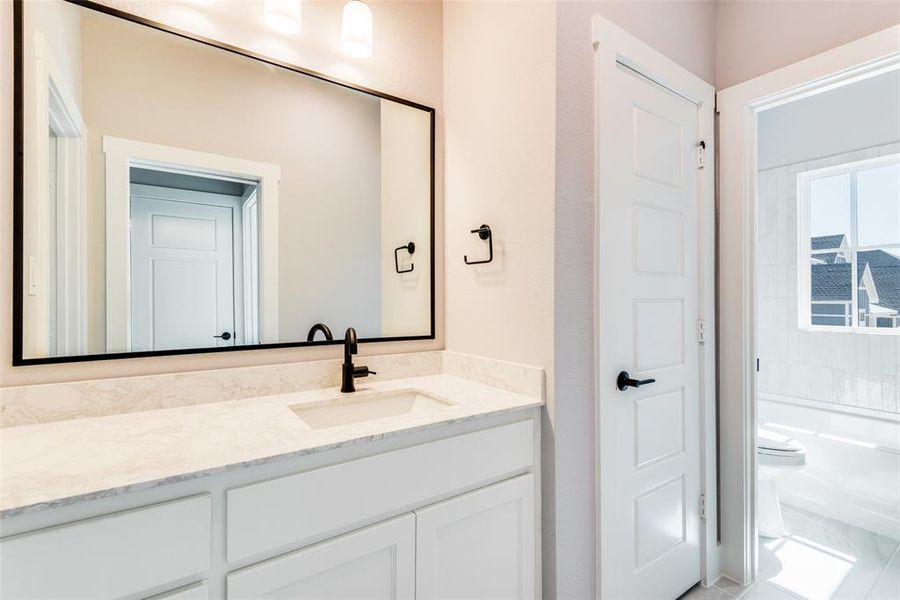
x=738 y=107
x=53 y=106
x=120 y=155
x=614 y=46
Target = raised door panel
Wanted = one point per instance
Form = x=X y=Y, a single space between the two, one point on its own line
x=479 y=545
x=375 y=563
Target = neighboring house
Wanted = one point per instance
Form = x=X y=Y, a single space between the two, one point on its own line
x=878 y=284
x=828 y=242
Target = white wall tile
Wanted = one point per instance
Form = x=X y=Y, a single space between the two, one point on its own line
x=851 y=369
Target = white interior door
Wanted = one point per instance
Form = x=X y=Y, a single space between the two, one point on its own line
x=182 y=274
x=648 y=298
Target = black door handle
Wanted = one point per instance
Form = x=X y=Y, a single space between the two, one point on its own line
x=225 y=336
x=624 y=381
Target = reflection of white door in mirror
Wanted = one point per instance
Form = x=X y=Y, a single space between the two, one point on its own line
x=258 y=300
x=184 y=258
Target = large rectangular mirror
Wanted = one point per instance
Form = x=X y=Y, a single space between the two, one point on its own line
x=178 y=195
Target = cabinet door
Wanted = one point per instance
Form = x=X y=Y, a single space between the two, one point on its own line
x=479 y=545
x=375 y=563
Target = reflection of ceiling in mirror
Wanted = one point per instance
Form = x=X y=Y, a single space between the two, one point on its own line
x=411 y=30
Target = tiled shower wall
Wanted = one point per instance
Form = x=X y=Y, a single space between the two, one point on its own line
x=851 y=369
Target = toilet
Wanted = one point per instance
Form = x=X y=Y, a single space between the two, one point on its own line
x=775 y=453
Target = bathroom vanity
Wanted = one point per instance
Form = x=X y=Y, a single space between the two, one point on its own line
x=423 y=487
x=241 y=203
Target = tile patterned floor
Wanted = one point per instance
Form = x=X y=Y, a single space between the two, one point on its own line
x=819 y=559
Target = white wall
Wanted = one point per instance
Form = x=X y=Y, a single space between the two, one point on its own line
x=406 y=62
x=862 y=115
x=405 y=181
x=499 y=82
x=755 y=37
x=499 y=68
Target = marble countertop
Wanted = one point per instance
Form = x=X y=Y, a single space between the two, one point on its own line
x=52 y=464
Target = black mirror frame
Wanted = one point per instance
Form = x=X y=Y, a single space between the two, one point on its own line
x=18 y=190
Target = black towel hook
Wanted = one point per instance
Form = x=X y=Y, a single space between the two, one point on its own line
x=484 y=232
x=411 y=248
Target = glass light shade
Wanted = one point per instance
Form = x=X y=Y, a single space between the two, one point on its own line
x=356 y=29
x=283 y=15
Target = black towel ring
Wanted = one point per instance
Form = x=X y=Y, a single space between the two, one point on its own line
x=411 y=248
x=484 y=232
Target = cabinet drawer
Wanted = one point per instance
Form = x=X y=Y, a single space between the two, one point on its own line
x=290 y=510
x=109 y=556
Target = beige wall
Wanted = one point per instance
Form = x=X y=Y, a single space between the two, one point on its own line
x=406 y=62
x=499 y=80
x=499 y=73
x=755 y=37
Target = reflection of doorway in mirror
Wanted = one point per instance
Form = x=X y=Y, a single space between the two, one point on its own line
x=191 y=286
x=191 y=249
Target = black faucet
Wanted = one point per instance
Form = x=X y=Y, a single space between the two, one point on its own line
x=319 y=327
x=349 y=372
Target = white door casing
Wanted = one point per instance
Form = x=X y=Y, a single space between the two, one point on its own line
x=121 y=154
x=738 y=108
x=184 y=285
x=56 y=222
x=376 y=563
x=655 y=444
x=478 y=545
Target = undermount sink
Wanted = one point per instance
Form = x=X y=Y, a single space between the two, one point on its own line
x=361 y=407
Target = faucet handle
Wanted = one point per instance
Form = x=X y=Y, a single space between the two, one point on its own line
x=362 y=371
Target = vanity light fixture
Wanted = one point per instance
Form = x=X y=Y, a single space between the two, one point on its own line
x=356 y=29
x=283 y=15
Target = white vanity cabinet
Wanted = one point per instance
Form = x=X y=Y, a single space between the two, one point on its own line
x=478 y=545
x=376 y=563
x=451 y=512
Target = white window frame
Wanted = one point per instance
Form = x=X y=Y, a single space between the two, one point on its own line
x=805 y=253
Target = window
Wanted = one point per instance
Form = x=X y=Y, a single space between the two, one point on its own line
x=849 y=226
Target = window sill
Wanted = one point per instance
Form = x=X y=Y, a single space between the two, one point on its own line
x=883 y=331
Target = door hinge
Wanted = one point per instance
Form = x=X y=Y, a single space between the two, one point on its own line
x=703 y=506
x=701 y=331
x=701 y=154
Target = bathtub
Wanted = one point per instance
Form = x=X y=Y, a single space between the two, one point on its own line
x=852 y=470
